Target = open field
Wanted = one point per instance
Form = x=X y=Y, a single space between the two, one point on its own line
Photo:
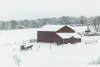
x=46 y=54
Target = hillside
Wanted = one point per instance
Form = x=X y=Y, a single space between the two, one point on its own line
x=24 y=24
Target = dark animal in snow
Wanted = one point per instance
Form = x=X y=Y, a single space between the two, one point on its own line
x=23 y=47
x=29 y=47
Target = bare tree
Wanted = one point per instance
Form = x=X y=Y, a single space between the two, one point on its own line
x=96 y=23
x=83 y=20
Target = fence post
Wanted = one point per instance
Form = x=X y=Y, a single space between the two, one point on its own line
x=39 y=46
x=37 y=50
x=96 y=41
x=63 y=42
x=50 y=46
x=85 y=43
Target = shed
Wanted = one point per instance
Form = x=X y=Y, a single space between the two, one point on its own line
x=69 y=38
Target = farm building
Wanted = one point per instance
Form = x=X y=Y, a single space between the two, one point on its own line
x=60 y=34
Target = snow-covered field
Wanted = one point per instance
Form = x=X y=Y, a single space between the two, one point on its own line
x=45 y=54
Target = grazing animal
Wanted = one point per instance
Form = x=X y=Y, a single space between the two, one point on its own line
x=29 y=47
x=23 y=47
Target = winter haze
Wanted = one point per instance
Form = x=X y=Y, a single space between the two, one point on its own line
x=33 y=9
x=25 y=35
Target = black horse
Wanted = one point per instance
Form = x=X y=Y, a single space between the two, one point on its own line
x=23 y=47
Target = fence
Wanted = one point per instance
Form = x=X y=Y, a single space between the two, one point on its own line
x=91 y=42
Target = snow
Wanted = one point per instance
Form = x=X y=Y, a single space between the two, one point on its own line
x=68 y=35
x=57 y=27
x=46 y=54
x=51 y=27
x=82 y=28
x=79 y=28
x=13 y=36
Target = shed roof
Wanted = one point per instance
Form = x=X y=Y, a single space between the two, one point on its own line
x=68 y=35
x=51 y=27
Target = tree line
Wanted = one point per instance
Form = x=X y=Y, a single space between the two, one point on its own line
x=64 y=20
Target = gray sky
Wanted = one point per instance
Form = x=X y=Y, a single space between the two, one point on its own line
x=33 y=9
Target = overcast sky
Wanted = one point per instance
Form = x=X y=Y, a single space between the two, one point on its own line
x=33 y=9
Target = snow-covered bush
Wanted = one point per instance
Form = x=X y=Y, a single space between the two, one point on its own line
x=16 y=59
x=98 y=33
x=96 y=61
x=32 y=40
x=90 y=34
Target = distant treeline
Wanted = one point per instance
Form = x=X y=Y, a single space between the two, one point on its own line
x=64 y=20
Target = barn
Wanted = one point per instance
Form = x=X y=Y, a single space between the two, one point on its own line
x=60 y=34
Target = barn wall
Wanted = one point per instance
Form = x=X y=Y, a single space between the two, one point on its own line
x=72 y=40
x=46 y=36
x=66 y=29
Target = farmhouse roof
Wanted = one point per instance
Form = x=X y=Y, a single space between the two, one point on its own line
x=51 y=27
x=68 y=35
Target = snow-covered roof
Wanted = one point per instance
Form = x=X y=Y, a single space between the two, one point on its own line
x=57 y=27
x=51 y=27
x=79 y=28
x=68 y=35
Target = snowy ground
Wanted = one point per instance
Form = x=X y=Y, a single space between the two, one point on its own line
x=46 y=54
